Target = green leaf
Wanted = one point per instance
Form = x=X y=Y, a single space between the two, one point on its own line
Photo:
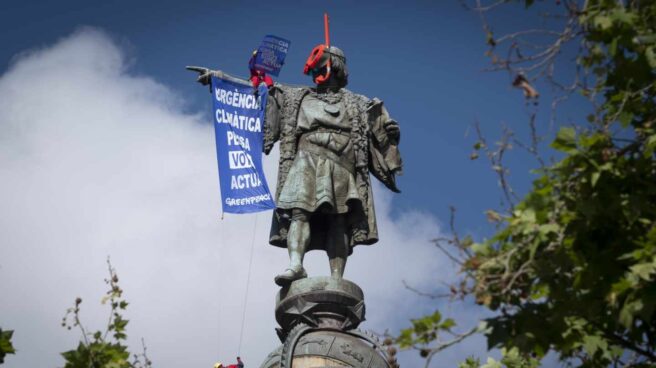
x=602 y=21
x=550 y=228
x=592 y=344
x=565 y=140
x=650 y=146
x=491 y=363
x=527 y=216
x=470 y=362
x=644 y=270
x=650 y=54
x=628 y=312
x=435 y=317
x=567 y=135
x=120 y=323
x=6 y=346
x=481 y=249
x=448 y=324
x=625 y=118
x=622 y=286
x=493 y=216
x=594 y=178
x=620 y=15
x=405 y=338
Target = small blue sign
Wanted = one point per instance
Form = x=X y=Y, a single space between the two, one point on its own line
x=271 y=54
x=238 y=123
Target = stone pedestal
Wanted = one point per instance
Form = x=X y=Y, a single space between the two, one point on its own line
x=320 y=302
x=318 y=320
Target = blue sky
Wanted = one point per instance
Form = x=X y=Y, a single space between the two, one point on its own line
x=423 y=58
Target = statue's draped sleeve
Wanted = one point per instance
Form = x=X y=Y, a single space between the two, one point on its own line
x=273 y=118
x=384 y=156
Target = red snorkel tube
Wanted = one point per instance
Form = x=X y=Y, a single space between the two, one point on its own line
x=318 y=54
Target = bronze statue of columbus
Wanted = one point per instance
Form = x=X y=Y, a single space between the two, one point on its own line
x=330 y=139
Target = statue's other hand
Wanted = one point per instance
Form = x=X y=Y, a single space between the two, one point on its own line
x=392 y=129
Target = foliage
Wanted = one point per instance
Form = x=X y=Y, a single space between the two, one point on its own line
x=572 y=266
x=104 y=349
x=5 y=344
x=510 y=359
x=424 y=330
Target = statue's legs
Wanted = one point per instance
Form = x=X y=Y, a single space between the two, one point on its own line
x=298 y=239
x=337 y=246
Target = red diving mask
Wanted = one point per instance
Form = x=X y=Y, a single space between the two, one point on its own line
x=318 y=63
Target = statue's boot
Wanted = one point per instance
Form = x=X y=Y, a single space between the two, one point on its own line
x=290 y=275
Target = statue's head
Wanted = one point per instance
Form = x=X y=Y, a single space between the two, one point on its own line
x=327 y=64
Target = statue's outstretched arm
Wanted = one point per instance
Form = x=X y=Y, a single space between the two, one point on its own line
x=206 y=74
x=272 y=120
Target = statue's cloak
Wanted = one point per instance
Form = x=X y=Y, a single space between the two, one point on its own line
x=376 y=151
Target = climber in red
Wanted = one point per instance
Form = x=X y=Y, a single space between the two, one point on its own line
x=258 y=76
x=239 y=364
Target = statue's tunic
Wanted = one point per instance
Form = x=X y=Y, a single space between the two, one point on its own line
x=328 y=145
x=322 y=176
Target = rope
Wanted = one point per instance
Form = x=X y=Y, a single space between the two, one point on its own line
x=248 y=282
x=218 y=308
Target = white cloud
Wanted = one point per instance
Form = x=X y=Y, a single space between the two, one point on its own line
x=94 y=162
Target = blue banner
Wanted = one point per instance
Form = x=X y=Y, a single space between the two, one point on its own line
x=238 y=123
x=271 y=54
